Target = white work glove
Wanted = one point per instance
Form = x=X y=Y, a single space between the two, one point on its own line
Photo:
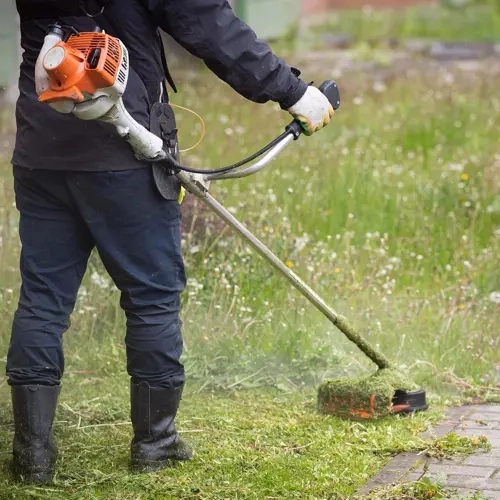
x=313 y=110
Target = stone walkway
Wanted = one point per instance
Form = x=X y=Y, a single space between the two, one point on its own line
x=476 y=473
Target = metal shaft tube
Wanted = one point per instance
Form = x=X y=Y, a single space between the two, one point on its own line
x=339 y=321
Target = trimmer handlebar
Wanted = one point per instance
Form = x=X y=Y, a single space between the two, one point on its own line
x=331 y=91
x=292 y=132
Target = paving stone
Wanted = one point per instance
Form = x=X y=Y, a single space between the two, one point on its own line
x=486 y=416
x=486 y=408
x=480 y=472
x=430 y=462
x=462 y=470
x=490 y=495
x=483 y=461
x=458 y=412
x=480 y=424
x=393 y=472
x=464 y=492
x=491 y=433
x=439 y=432
x=475 y=483
x=413 y=476
x=453 y=418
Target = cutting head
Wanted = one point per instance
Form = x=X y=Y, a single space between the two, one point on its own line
x=386 y=392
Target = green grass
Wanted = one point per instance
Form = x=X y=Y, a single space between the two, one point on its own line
x=254 y=445
x=469 y=23
x=392 y=214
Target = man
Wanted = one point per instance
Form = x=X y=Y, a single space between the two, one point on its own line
x=78 y=187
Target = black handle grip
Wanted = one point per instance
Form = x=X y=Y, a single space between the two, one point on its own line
x=332 y=93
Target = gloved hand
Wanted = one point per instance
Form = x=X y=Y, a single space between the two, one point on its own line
x=313 y=110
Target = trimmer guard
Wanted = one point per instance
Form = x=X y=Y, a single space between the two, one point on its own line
x=370 y=398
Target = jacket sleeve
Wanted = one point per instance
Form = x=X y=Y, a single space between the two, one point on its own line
x=210 y=31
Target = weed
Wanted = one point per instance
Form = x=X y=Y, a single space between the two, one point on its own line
x=453 y=444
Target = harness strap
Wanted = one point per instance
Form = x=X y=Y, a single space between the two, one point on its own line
x=166 y=70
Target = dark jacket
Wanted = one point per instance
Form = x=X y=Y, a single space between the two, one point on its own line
x=208 y=29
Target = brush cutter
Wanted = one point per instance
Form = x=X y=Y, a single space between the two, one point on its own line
x=86 y=74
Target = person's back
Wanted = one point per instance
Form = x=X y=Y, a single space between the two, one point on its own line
x=79 y=186
x=47 y=139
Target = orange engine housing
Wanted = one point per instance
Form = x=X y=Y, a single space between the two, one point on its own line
x=91 y=61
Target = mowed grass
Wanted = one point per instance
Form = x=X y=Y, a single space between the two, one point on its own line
x=256 y=445
x=392 y=214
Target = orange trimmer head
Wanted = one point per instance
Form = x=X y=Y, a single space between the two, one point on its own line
x=384 y=393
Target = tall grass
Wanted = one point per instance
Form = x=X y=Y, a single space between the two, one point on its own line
x=392 y=213
x=470 y=22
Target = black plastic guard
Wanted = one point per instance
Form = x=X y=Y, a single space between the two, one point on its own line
x=163 y=124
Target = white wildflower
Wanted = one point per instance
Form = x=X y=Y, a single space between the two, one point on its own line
x=301 y=242
x=456 y=167
x=99 y=280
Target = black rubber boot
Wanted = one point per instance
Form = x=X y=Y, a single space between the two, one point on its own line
x=34 y=449
x=156 y=443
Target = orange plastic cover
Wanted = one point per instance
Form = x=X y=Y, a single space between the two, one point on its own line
x=74 y=75
x=362 y=410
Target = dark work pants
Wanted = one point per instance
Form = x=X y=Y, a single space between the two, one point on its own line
x=63 y=216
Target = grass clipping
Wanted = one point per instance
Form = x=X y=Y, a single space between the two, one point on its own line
x=363 y=398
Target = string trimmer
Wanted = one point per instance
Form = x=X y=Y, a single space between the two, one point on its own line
x=86 y=74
